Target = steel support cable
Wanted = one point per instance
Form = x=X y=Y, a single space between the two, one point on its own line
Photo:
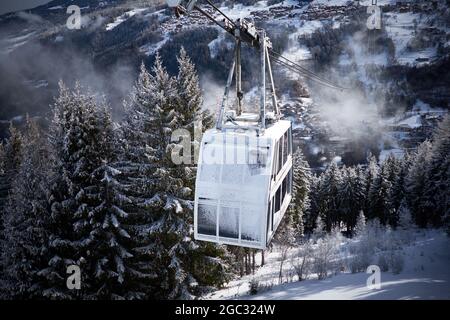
x=300 y=72
x=303 y=69
x=210 y=17
x=220 y=11
x=315 y=79
x=278 y=55
x=293 y=69
x=275 y=55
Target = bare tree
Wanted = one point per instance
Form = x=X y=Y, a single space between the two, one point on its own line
x=285 y=239
x=302 y=260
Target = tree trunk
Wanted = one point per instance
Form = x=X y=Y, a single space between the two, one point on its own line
x=253 y=261
x=262 y=258
x=241 y=263
x=280 y=276
x=245 y=263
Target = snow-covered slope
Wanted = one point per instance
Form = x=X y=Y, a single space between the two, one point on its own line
x=426 y=275
x=123 y=18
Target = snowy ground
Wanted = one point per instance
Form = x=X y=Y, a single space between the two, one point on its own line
x=401 y=28
x=119 y=20
x=150 y=49
x=426 y=275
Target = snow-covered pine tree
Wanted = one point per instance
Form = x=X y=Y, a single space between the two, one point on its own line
x=360 y=226
x=416 y=182
x=151 y=118
x=27 y=220
x=136 y=164
x=208 y=258
x=87 y=220
x=109 y=257
x=405 y=221
x=379 y=194
x=319 y=229
x=361 y=185
x=300 y=191
x=398 y=192
x=10 y=161
x=331 y=184
x=188 y=104
x=315 y=203
x=166 y=247
x=436 y=199
x=170 y=204
x=346 y=196
x=60 y=232
x=371 y=174
x=351 y=197
x=393 y=168
x=189 y=96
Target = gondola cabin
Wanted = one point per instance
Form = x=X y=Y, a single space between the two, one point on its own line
x=244 y=176
x=244 y=184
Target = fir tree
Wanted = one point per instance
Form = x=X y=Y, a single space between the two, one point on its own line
x=405 y=220
x=398 y=192
x=136 y=166
x=188 y=105
x=392 y=170
x=110 y=257
x=436 y=199
x=360 y=226
x=11 y=158
x=189 y=98
x=372 y=172
x=315 y=204
x=206 y=266
x=87 y=219
x=61 y=252
x=351 y=197
x=26 y=224
x=331 y=182
x=416 y=183
x=319 y=229
x=171 y=204
x=379 y=194
x=164 y=201
x=154 y=118
x=300 y=191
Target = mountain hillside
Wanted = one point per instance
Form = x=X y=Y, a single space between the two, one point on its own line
x=398 y=90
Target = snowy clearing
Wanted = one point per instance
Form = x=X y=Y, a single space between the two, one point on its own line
x=425 y=276
x=152 y=48
x=123 y=18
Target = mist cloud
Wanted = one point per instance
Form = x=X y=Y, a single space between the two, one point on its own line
x=31 y=65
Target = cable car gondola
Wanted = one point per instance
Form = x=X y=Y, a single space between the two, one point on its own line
x=244 y=176
x=244 y=184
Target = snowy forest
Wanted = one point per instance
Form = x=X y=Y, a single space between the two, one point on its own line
x=105 y=196
x=353 y=180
